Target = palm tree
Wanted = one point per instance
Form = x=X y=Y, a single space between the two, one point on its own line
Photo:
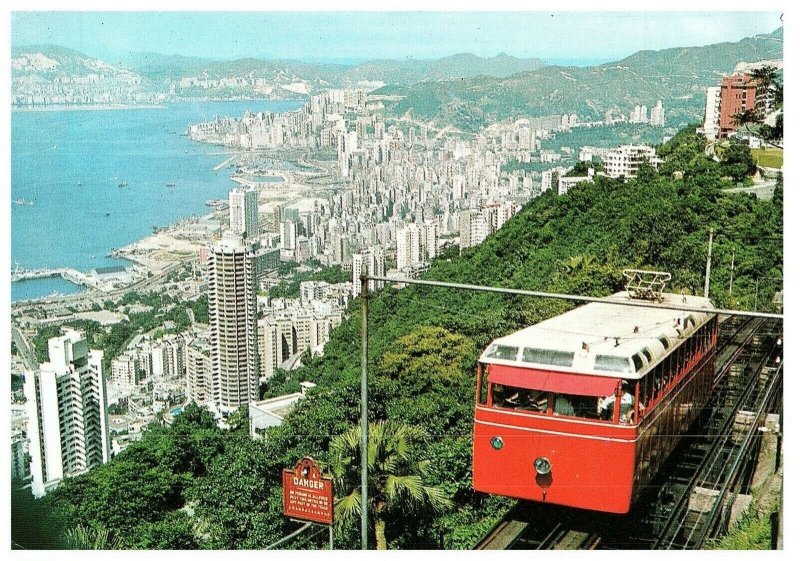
x=394 y=482
x=89 y=537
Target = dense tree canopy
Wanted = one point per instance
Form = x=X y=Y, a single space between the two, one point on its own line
x=194 y=485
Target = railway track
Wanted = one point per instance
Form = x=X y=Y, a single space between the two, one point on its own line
x=714 y=458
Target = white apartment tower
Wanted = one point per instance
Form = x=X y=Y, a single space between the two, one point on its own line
x=67 y=412
x=473 y=228
x=657 y=115
x=243 y=211
x=372 y=262
x=232 y=317
x=625 y=161
x=408 y=246
x=711 y=122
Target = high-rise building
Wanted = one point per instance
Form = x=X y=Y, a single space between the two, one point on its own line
x=430 y=240
x=550 y=178
x=67 y=412
x=289 y=235
x=737 y=94
x=243 y=211
x=657 y=115
x=199 y=383
x=232 y=318
x=371 y=262
x=473 y=228
x=408 y=246
x=711 y=122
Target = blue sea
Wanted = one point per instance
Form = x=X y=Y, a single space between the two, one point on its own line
x=70 y=165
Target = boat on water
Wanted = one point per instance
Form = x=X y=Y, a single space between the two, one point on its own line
x=170 y=184
x=123 y=184
x=23 y=202
x=79 y=183
x=108 y=214
x=216 y=203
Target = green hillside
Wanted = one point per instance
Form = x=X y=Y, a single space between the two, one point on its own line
x=194 y=486
x=679 y=76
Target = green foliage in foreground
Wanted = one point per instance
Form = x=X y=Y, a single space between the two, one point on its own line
x=193 y=485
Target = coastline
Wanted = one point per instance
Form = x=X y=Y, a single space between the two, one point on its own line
x=75 y=107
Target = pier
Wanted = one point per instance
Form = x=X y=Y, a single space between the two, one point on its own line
x=72 y=275
x=225 y=163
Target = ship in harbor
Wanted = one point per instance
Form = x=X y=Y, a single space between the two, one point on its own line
x=23 y=201
x=123 y=184
x=171 y=184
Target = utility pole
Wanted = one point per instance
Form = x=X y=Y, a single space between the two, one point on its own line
x=364 y=424
x=708 y=262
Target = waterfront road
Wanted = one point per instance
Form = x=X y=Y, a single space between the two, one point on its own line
x=94 y=296
x=24 y=348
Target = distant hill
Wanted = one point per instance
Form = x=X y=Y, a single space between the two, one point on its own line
x=447 y=68
x=55 y=59
x=158 y=67
x=679 y=76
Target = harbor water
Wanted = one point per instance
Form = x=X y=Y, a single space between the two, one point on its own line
x=99 y=180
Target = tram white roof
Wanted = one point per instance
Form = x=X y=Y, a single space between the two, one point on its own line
x=601 y=338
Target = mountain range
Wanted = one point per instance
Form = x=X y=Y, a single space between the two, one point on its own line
x=463 y=89
x=679 y=76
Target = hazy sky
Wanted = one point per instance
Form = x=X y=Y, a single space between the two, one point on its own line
x=353 y=36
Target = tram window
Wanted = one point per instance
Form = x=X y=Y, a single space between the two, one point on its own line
x=638 y=363
x=611 y=363
x=648 y=355
x=646 y=390
x=585 y=407
x=510 y=397
x=547 y=356
x=664 y=341
x=503 y=352
x=483 y=384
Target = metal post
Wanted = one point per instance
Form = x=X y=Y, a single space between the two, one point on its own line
x=708 y=262
x=330 y=535
x=364 y=423
x=755 y=302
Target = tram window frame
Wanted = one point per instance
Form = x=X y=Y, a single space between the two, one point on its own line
x=646 y=390
x=483 y=384
x=637 y=358
x=659 y=380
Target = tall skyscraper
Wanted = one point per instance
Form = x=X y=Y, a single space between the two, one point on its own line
x=372 y=262
x=67 y=412
x=243 y=211
x=232 y=317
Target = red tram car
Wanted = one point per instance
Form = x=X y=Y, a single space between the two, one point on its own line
x=584 y=408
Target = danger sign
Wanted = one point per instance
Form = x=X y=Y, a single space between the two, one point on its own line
x=307 y=495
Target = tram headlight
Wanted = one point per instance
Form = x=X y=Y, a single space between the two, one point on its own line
x=542 y=465
x=497 y=442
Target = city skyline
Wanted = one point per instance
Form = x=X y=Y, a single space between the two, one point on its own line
x=354 y=37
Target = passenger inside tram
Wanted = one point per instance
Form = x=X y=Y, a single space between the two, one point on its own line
x=519 y=398
x=605 y=405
